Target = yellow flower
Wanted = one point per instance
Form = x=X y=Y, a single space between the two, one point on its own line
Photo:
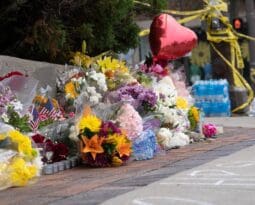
x=70 y=90
x=195 y=113
x=20 y=172
x=2 y=137
x=16 y=136
x=109 y=65
x=181 y=103
x=123 y=145
x=116 y=161
x=81 y=59
x=23 y=142
x=93 y=145
x=90 y=122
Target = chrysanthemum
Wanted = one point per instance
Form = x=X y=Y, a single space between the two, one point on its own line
x=90 y=122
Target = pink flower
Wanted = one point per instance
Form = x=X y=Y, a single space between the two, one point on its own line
x=130 y=121
x=71 y=114
x=157 y=68
x=209 y=130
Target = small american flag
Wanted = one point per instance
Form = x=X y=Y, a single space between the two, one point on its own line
x=49 y=110
x=35 y=121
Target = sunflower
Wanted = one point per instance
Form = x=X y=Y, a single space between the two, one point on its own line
x=201 y=54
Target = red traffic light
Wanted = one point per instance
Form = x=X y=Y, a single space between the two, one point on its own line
x=237 y=23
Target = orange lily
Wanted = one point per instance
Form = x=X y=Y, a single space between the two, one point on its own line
x=124 y=149
x=93 y=145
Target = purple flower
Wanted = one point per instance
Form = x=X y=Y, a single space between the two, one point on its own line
x=136 y=95
x=108 y=127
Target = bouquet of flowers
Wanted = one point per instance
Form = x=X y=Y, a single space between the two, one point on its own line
x=19 y=161
x=169 y=139
x=11 y=110
x=141 y=98
x=102 y=143
x=50 y=151
x=115 y=71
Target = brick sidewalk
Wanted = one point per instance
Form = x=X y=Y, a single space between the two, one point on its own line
x=63 y=187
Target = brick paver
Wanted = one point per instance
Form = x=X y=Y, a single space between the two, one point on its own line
x=90 y=186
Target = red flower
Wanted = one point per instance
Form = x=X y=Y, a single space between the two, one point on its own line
x=60 y=151
x=37 y=138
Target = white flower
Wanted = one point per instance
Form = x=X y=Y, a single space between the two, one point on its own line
x=5 y=117
x=17 y=105
x=73 y=134
x=91 y=90
x=94 y=99
x=100 y=80
x=179 y=139
x=170 y=116
x=170 y=139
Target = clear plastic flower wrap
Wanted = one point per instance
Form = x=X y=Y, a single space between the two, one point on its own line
x=24 y=89
x=145 y=146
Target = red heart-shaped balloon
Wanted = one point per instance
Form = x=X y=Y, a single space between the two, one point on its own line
x=168 y=39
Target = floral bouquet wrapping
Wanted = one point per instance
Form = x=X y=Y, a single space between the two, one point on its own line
x=19 y=161
x=102 y=143
x=145 y=146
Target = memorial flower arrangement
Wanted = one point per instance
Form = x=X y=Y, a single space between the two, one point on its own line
x=102 y=143
x=20 y=162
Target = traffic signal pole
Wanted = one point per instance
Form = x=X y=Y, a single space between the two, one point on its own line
x=250 y=15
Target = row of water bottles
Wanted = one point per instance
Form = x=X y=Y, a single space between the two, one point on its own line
x=214 y=109
x=211 y=89
x=212 y=97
